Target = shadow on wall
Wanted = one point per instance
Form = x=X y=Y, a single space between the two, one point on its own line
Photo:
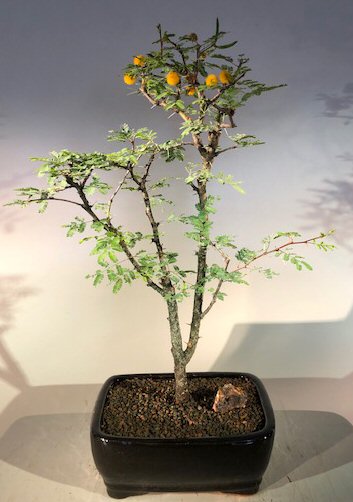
x=12 y=291
x=9 y=216
x=338 y=106
x=291 y=351
x=331 y=206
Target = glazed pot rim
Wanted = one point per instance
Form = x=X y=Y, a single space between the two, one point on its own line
x=264 y=433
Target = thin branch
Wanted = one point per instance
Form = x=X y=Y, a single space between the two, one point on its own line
x=149 y=213
x=220 y=282
x=215 y=294
x=195 y=137
x=225 y=125
x=88 y=208
x=276 y=250
x=159 y=28
x=141 y=183
x=226 y=149
x=115 y=194
x=178 y=49
x=266 y=252
x=54 y=198
x=198 y=286
x=161 y=102
x=148 y=166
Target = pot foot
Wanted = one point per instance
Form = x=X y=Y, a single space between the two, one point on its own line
x=243 y=491
x=118 y=494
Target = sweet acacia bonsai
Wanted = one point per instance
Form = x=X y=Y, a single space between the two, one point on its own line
x=202 y=86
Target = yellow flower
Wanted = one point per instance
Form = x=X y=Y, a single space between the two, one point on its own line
x=129 y=79
x=190 y=91
x=173 y=78
x=211 y=80
x=225 y=77
x=140 y=60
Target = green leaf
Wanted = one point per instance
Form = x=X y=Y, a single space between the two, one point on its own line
x=323 y=246
x=245 y=255
x=98 y=226
x=42 y=206
x=117 y=286
x=221 y=296
x=222 y=56
x=244 y=140
x=102 y=261
x=112 y=276
x=112 y=256
x=225 y=241
x=290 y=235
x=227 y=46
x=217 y=27
x=98 y=278
x=76 y=226
x=227 y=179
x=268 y=273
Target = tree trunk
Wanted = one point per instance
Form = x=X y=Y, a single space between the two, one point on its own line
x=182 y=394
x=181 y=385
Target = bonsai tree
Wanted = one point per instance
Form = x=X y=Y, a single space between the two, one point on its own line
x=202 y=86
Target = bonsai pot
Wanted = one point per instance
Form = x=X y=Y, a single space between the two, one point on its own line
x=132 y=466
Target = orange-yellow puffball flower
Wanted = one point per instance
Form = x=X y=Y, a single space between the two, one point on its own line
x=190 y=91
x=211 y=80
x=129 y=79
x=173 y=78
x=225 y=77
x=140 y=60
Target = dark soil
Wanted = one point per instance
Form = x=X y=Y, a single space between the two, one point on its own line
x=145 y=408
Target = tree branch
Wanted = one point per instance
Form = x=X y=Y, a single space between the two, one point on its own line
x=109 y=227
x=114 y=195
x=154 y=224
x=226 y=149
x=54 y=198
x=275 y=250
x=195 y=137
x=220 y=282
x=201 y=259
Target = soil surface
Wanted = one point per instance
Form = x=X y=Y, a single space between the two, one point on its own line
x=145 y=408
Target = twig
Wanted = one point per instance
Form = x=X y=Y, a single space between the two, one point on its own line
x=54 y=198
x=159 y=28
x=220 y=282
x=275 y=250
x=114 y=195
x=266 y=252
x=226 y=149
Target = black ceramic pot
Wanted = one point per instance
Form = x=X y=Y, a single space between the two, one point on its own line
x=131 y=466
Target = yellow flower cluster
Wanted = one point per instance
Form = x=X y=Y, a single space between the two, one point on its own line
x=129 y=79
x=224 y=77
x=139 y=60
x=173 y=77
